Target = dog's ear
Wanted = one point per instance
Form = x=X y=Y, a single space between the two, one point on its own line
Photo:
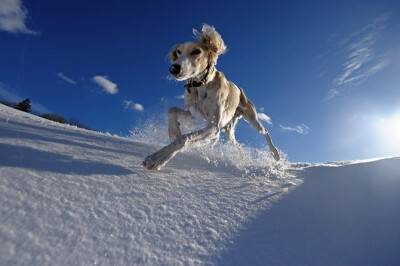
x=172 y=53
x=211 y=39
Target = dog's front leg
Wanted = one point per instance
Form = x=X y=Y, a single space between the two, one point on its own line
x=161 y=157
x=175 y=116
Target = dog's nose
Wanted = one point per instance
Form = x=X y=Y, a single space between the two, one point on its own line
x=175 y=69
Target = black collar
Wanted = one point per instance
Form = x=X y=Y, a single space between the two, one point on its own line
x=190 y=83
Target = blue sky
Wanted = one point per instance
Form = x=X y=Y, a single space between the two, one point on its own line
x=326 y=73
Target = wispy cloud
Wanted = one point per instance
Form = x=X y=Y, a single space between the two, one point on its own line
x=13 y=17
x=65 y=78
x=301 y=129
x=129 y=105
x=361 y=59
x=264 y=117
x=10 y=96
x=107 y=85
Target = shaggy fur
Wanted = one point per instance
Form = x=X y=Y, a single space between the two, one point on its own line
x=218 y=100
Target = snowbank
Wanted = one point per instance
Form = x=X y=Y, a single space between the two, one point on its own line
x=71 y=196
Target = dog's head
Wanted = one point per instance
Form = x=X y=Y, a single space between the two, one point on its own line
x=190 y=59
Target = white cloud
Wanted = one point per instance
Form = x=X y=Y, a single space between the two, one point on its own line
x=361 y=60
x=107 y=85
x=7 y=95
x=261 y=109
x=129 y=105
x=301 y=129
x=65 y=78
x=182 y=96
x=13 y=15
x=264 y=117
x=138 y=107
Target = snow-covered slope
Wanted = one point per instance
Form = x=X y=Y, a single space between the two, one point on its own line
x=70 y=196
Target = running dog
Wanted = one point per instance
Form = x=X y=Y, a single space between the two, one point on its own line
x=220 y=102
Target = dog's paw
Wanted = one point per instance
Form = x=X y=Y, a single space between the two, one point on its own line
x=150 y=164
x=275 y=154
x=156 y=160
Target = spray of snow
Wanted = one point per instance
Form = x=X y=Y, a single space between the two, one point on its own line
x=245 y=161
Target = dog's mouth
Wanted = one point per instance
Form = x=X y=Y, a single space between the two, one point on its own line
x=179 y=77
x=183 y=75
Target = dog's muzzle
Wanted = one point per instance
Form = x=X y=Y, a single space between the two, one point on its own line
x=175 y=69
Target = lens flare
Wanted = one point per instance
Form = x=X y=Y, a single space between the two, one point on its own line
x=389 y=132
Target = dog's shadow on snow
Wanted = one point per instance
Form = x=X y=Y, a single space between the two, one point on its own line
x=39 y=160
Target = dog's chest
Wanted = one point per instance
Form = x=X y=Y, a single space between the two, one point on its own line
x=201 y=93
x=201 y=100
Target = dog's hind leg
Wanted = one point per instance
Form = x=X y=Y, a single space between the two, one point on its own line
x=250 y=115
x=175 y=115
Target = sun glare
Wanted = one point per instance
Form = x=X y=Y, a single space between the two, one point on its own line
x=389 y=132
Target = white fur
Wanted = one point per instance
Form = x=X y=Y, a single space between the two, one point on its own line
x=185 y=64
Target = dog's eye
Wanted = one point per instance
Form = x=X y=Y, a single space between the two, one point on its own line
x=195 y=52
x=178 y=52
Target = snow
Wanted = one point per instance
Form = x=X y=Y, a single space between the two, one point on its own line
x=70 y=196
